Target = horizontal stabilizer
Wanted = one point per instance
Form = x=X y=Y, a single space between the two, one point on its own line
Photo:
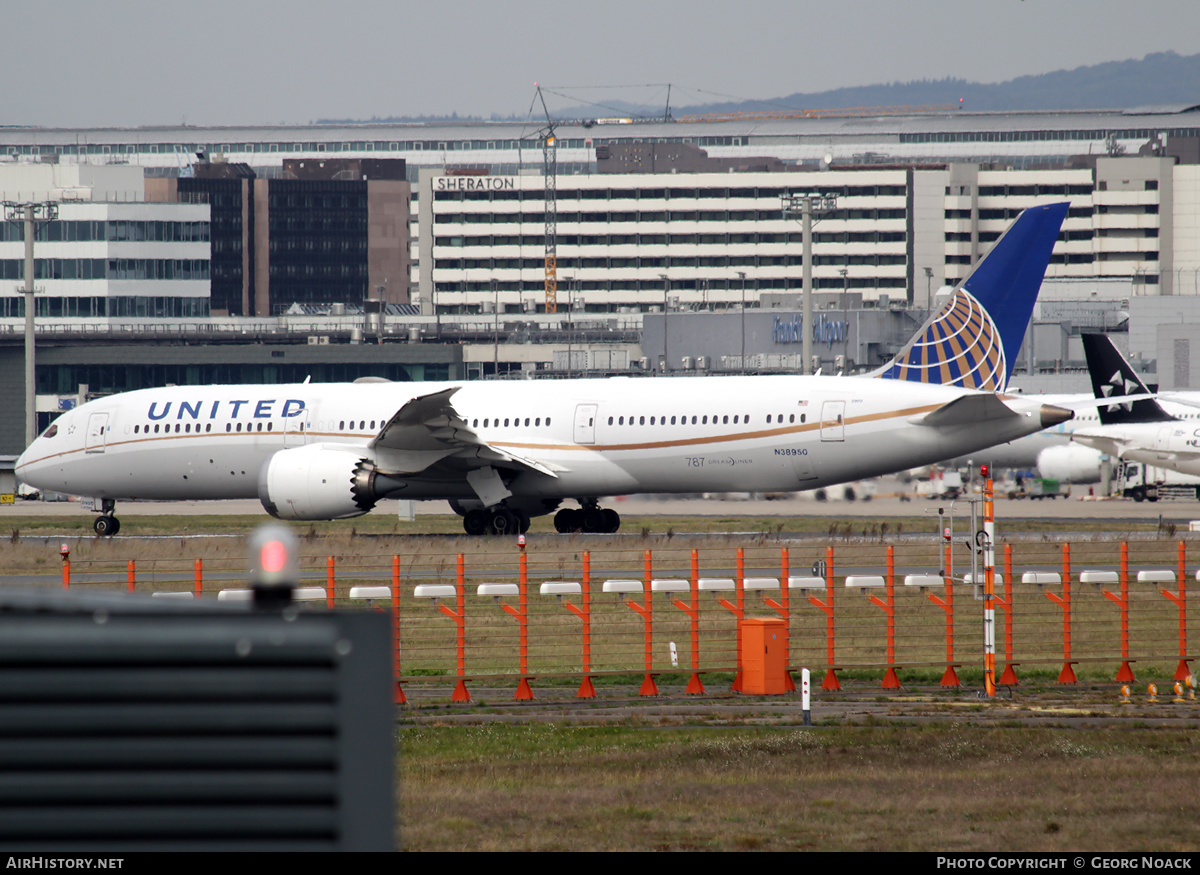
x=967 y=410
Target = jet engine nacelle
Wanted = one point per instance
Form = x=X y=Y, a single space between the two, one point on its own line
x=1072 y=463
x=317 y=482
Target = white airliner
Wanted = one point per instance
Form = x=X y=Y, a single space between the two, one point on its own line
x=1165 y=435
x=502 y=452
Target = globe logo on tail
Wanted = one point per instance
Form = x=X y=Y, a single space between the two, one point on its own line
x=960 y=347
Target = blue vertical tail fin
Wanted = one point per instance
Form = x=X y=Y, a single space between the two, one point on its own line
x=973 y=341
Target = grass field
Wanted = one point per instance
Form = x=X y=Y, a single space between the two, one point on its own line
x=901 y=771
x=952 y=785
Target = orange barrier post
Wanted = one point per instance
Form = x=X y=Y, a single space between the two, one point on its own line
x=458 y=615
x=329 y=583
x=890 y=680
x=1009 y=677
x=695 y=685
x=66 y=568
x=398 y=697
x=521 y=614
x=586 y=689
x=131 y=576
x=646 y=610
x=1067 y=675
x=949 y=677
x=830 y=683
x=739 y=612
x=1124 y=673
x=199 y=578
x=783 y=607
x=1180 y=600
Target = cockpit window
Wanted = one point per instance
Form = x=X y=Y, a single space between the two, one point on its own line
x=51 y=431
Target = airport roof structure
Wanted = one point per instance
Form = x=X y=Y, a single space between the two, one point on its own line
x=860 y=136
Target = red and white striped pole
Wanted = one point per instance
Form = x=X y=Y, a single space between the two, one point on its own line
x=989 y=584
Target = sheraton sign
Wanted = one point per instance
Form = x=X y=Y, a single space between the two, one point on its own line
x=474 y=183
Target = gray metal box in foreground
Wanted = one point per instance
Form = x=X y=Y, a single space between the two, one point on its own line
x=129 y=724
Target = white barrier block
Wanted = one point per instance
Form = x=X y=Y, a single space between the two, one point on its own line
x=862 y=581
x=924 y=580
x=235 y=595
x=370 y=592
x=497 y=589
x=626 y=586
x=560 y=587
x=173 y=595
x=1156 y=576
x=1041 y=578
x=434 y=591
x=970 y=581
x=717 y=584
x=758 y=584
x=806 y=583
x=1099 y=577
x=668 y=584
x=309 y=594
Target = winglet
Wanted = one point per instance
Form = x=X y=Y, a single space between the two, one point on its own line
x=1113 y=376
x=973 y=341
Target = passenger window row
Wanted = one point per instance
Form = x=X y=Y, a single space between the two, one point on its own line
x=496 y=422
x=696 y=420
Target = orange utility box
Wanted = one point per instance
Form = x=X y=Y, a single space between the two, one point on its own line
x=764 y=656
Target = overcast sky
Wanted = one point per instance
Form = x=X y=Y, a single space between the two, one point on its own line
x=134 y=62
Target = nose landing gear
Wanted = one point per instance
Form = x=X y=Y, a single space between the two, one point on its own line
x=107 y=525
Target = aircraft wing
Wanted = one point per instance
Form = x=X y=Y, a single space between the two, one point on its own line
x=428 y=429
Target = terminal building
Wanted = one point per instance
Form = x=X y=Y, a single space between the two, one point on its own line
x=674 y=250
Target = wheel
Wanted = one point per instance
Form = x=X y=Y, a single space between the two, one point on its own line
x=475 y=522
x=612 y=520
x=522 y=521
x=503 y=522
x=1139 y=494
x=566 y=521
x=105 y=526
x=593 y=520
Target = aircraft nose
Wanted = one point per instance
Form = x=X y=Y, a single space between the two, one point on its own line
x=24 y=462
x=1052 y=415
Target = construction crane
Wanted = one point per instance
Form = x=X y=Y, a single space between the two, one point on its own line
x=550 y=174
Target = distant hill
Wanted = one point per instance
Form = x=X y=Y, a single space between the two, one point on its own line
x=1160 y=78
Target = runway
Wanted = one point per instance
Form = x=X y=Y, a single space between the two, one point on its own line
x=892 y=499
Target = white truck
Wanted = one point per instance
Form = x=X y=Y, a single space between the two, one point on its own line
x=1148 y=483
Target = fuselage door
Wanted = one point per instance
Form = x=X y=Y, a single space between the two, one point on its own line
x=585 y=423
x=96 y=428
x=833 y=421
x=294 y=428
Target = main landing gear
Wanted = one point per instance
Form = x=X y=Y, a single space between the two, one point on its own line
x=589 y=518
x=498 y=520
x=107 y=525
